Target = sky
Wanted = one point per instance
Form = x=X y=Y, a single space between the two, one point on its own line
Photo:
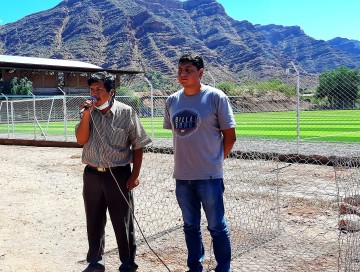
x=320 y=19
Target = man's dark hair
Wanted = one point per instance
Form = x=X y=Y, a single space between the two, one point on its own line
x=107 y=78
x=195 y=60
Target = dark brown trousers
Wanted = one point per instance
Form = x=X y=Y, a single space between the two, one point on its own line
x=100 y=194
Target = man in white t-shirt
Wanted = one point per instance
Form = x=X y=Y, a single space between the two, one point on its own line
x=203 y=129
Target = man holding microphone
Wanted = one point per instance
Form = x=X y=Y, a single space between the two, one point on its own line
x=112 y=138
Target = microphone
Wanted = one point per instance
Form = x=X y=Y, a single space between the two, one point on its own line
x=93 y=100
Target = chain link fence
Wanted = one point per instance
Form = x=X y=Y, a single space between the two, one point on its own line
x=292 y=181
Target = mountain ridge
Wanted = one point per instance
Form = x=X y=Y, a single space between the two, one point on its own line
x=138 y=35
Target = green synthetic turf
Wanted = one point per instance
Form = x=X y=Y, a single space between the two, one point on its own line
x=334 y=125
x=343 y=126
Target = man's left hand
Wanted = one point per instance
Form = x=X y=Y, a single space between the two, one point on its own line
x=131 y=184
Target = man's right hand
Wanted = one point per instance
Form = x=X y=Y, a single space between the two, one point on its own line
x=88 y=105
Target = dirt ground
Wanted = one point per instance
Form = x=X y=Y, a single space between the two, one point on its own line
x=42 y=225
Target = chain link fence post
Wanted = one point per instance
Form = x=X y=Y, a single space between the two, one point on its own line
x=65 y=114
x=7 y=114
x=151 y=105
x=297 y=105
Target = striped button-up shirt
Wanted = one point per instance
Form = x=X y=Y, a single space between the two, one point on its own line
x=113 y=136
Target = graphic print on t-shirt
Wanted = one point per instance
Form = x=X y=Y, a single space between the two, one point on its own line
x=185 y=122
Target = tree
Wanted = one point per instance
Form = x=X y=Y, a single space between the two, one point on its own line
x=160 y=82
x=21 y=86
x=275 y=85
x=228 y=88
x=339 y=87
x=128 y=97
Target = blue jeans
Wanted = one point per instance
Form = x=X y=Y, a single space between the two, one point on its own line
x=191 y=194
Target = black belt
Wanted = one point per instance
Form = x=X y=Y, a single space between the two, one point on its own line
x=102 y=169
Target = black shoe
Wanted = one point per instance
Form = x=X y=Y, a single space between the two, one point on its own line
x=95 y=268
x=128 y=268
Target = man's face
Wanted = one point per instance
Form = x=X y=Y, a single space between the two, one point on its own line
x=98 y=90
x=189 y=75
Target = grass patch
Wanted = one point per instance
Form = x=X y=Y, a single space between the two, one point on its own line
x=336 y=125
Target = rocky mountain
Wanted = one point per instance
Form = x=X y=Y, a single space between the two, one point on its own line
x=292 y=44
x=151 y=35
x=350 y=47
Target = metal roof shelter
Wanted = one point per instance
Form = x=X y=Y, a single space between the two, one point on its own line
x=45 y=73
x=7 y=62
